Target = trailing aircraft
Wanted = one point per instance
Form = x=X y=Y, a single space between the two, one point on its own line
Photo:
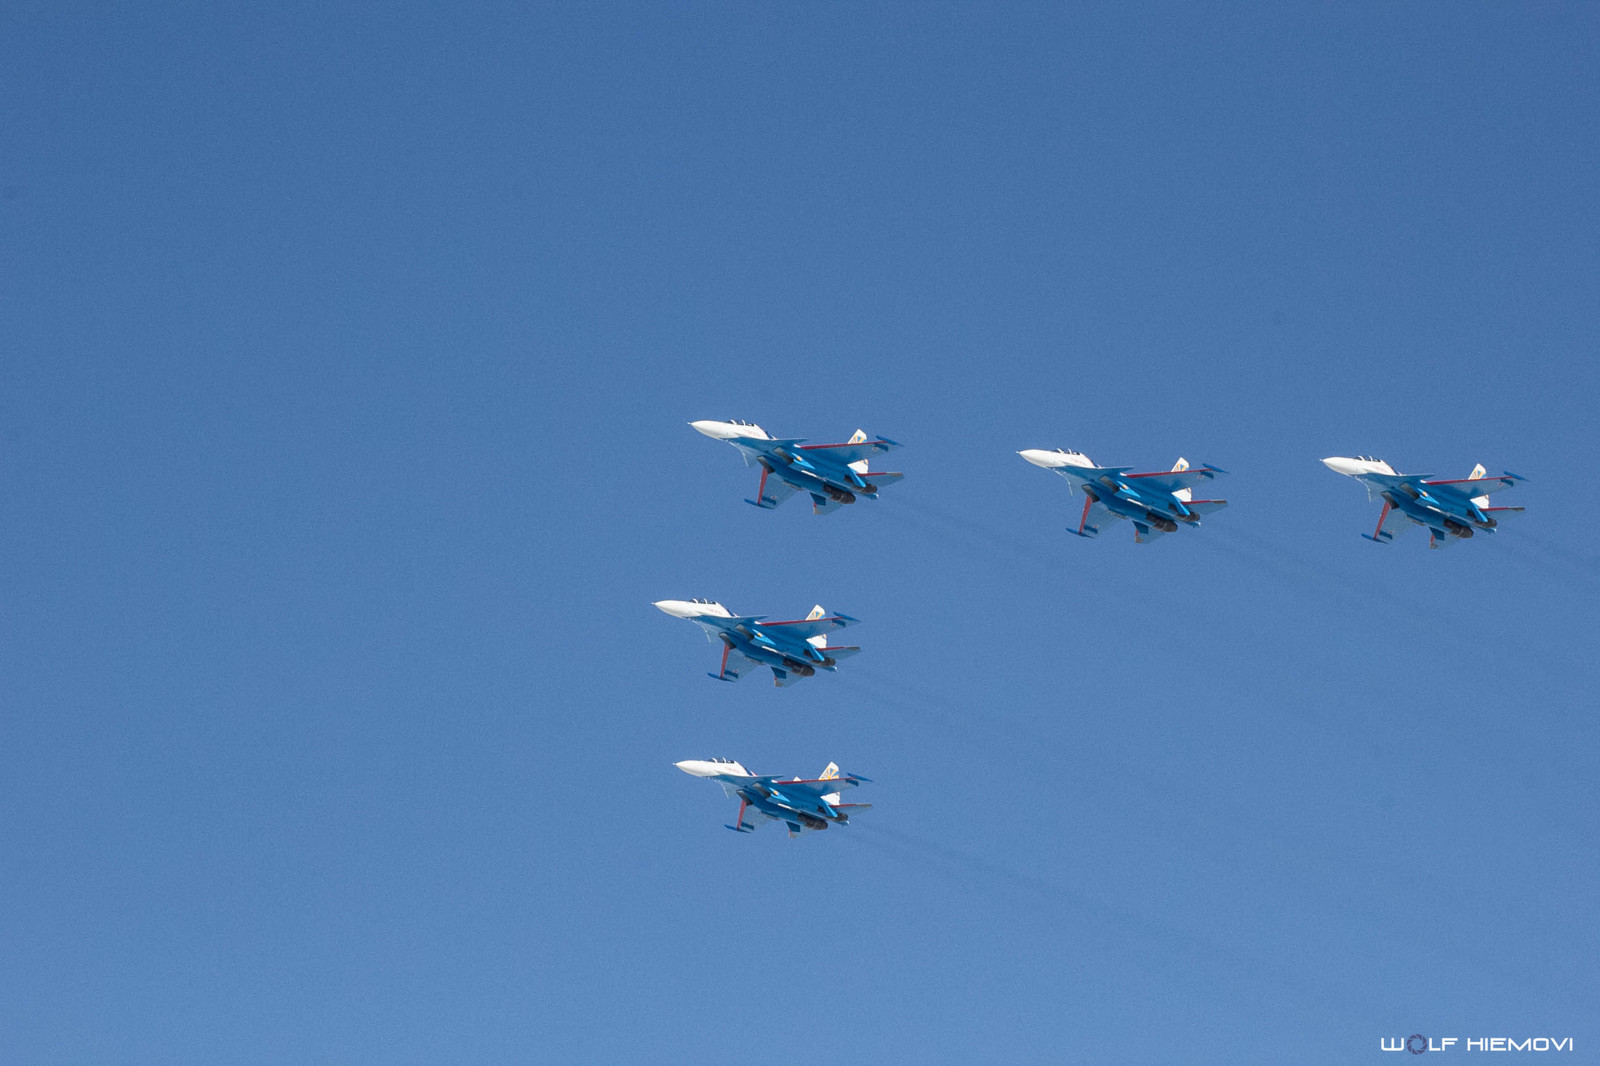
x=1447 y=509
x=1155 y=502
x=800 y=804
x=833 y=474
x=791 y=650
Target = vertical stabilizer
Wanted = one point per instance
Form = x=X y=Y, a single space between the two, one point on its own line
x=1184 y=494
x=1477 y=472
x=829 y=774
x=821 y=639
x=858 y=437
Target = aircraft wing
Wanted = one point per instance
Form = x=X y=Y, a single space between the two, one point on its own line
x=735 y=665
x=1472 y=487
x=1095 y=517
x=1173 y=480
x=772 y=491
x=749 y=819
x=1391 y=524
x=805 y=628
x=715 y=625
x=813 y=790
x=1377 y=483
x=852 y=451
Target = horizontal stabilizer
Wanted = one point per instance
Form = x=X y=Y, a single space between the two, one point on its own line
x=1144 y=532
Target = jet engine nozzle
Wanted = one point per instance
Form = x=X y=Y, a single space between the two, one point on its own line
x=839 y=496
x=867 y=488
x=829 y=661
x=1456 y=529
x=810 y=821
x=1166 y=525
x=803 y=669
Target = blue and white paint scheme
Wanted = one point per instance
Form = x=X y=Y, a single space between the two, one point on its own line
x=799 y=803
x=833 y=474
x=1156 y=502
x=791 y=650
x=1449 y=509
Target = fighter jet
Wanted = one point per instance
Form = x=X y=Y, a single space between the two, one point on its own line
x=1449 y=508
x=799 y=804
x=1155 y=502
x=792 y=650
x=834 y=474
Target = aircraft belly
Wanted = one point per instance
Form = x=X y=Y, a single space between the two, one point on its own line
x=819 y=482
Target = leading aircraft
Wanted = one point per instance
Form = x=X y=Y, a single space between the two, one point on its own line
x=834 y=474
x=1451 y=508
x=1154 y=502
x=799 y=804
x=791 y=650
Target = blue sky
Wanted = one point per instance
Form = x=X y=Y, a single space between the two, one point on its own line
x=348 y=351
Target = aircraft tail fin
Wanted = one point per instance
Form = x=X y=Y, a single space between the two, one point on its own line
x=1184 y=494
x=821 y=638
x=828 y=774
x=858 y=437
x=1477 y=472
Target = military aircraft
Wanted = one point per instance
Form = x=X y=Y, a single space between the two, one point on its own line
x=1155 y=502
x=1448 y=508
x=834 y=474
x=792 y=650
x=799 y=804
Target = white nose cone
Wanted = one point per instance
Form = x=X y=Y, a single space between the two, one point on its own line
x=720 y=430
x=681 y=608
x=701 y=768
x=1348 y=467
x=1040 y=457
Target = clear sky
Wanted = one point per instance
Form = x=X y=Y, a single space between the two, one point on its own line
x=346 y=352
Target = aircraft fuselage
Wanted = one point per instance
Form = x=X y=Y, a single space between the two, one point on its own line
x=833 y=480
x=1159 y=509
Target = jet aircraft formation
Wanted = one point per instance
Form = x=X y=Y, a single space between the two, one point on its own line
x=1153 y=502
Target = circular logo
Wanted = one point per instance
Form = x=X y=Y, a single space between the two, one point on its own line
x=1416 y=1043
